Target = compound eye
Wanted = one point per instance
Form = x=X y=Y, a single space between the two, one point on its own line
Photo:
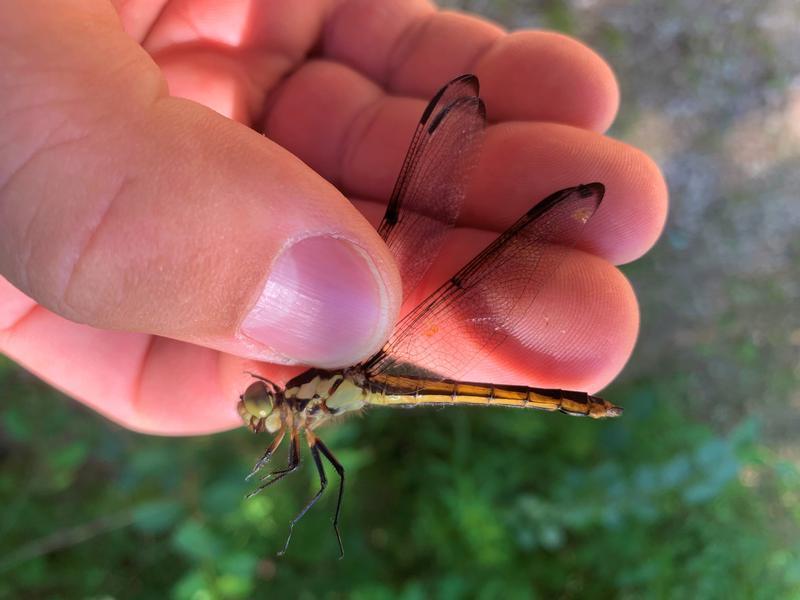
x=257 y=399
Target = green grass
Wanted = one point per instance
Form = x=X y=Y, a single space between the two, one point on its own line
x=445 y=503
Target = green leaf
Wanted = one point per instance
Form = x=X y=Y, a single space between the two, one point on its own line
x=156 y=516
x=194 y=540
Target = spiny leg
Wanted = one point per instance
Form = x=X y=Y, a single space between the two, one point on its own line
x=323 y=483
x=267 y=454
x=340 y=471
x=294 y=462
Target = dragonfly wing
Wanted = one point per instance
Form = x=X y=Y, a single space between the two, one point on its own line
x=477 y=308
x=429 y=190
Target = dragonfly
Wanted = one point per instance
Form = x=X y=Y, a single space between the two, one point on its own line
x=467 y=317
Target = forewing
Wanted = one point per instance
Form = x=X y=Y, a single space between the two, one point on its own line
x=474 y=311
x=429 y=190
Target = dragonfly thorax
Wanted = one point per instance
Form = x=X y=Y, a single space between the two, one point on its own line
x=308 y=400
x=316 y=395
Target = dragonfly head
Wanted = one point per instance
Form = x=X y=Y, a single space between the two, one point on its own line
x=257 y=408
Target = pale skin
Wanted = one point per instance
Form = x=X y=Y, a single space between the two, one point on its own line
x=130 y=207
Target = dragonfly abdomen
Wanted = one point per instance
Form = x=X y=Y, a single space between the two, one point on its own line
x=393 y=390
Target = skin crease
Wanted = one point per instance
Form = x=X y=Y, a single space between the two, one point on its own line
x=120 y=190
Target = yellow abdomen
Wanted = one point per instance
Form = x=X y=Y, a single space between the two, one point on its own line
x=394 y=390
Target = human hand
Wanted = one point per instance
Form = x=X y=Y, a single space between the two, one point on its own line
x=156 y=222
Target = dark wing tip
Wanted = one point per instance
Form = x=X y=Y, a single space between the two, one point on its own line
x=584 y=191
x=467 y=79
x=457 y=103
x=592 y=189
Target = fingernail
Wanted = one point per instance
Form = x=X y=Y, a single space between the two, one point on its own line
x=322 y=304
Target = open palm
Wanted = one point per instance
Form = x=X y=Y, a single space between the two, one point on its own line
x=156 y=222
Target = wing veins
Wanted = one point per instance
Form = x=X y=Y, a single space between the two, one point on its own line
x=428 y=193
x=526 y=239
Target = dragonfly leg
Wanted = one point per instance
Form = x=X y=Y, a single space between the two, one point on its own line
x=294 y=462
x=340 y=471
x=323 y=483
x=267 y=454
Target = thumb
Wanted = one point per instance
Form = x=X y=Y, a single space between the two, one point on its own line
x=123 y=208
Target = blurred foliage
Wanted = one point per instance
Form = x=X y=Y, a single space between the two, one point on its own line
x=439 y=503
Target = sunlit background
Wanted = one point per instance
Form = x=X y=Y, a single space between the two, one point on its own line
x=695 y=493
